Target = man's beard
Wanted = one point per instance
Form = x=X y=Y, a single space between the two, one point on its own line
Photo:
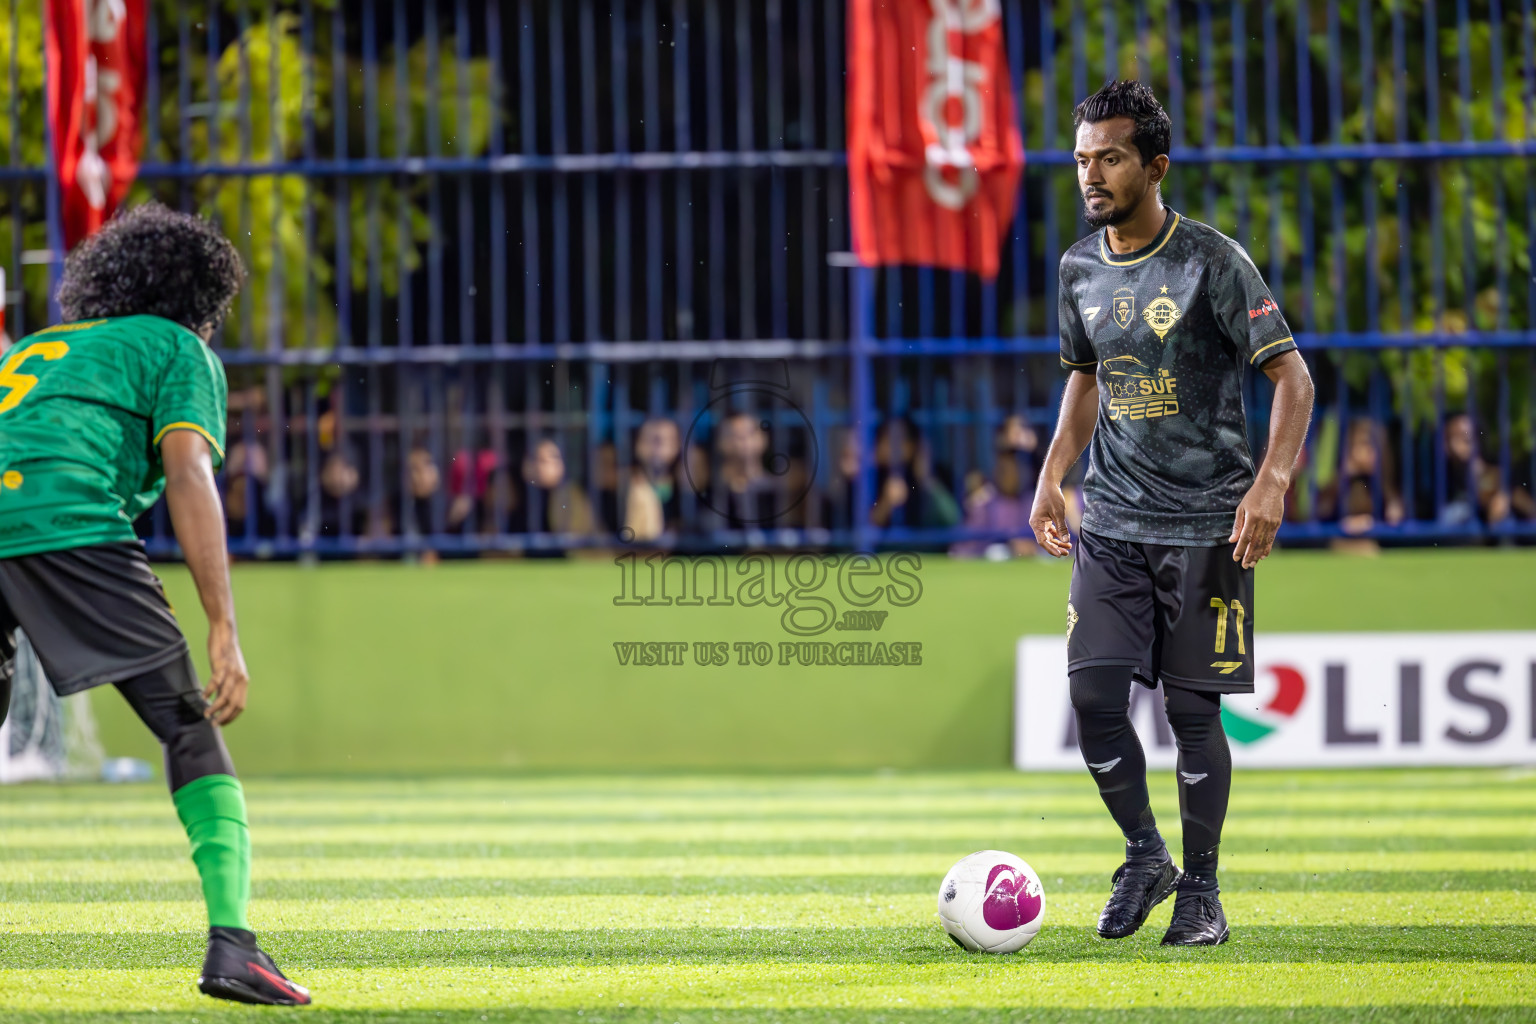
x=1114 y=215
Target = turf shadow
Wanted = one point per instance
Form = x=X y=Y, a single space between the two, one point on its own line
x=1231 y=846
x=543 y=947
x=741 y=885
x=212 y=1013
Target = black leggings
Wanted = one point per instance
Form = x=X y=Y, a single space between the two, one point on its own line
x=1205 y=773
x=1101 y=696
x=168 y=701
x=1112 y=751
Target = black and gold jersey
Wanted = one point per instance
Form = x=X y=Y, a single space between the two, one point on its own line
x=1168 y=330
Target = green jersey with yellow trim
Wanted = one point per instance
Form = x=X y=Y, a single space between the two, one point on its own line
x=1169 y=331
x=83 y=409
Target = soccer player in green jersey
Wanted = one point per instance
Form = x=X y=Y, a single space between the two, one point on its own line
x=98 y=416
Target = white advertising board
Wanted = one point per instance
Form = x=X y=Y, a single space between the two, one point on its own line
x=1322 y=700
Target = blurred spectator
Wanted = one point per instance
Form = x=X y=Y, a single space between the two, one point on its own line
x=605 y=482
x=837 y=501
x=1522 y=496
x=246 y=477
x=1363 y=483
x=910 y=494
x=424 y=481
x=1019 y=441
x=325 y=428
x=555 y=504
x=478 y=486
x=1003 y=505
x=698 y=469
x=1298 y=494
x=742 y=494
x=339 y=513
x=652 y=505
x=1468 y=475
x=250 y=398
x=908 y=491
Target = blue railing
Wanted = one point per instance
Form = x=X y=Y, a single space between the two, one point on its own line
x=515 y=264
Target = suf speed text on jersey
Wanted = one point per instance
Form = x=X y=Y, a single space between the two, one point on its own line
x=1168 y=330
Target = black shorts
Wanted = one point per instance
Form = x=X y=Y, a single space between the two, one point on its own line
x=94 y=614
x=1182 y=615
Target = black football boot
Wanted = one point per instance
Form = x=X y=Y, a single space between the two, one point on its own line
x=1198 y=919
x=237 y=969
x=1140 y=884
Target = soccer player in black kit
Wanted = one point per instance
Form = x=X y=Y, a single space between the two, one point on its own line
x=1160 y=317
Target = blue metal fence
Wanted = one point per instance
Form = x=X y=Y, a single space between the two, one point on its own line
x=544 y=274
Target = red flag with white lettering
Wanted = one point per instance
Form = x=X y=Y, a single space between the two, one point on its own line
x=934 y=150
x=95 y=81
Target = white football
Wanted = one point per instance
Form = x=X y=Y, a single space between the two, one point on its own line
x=992 y=902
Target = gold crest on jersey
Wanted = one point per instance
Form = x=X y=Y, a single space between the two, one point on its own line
x=1125 y=307
x=1161 y=314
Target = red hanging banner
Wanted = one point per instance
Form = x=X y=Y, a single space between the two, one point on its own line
x=934 y=151
x=95 y=81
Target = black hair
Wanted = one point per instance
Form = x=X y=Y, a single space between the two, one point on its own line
x=1135 y=100
x=151 y=260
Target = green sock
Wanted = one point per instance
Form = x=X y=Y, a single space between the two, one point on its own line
x=212 y=810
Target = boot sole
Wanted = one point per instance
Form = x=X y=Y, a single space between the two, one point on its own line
x=1226 y=933
x=1147 y=912
x=238 y=991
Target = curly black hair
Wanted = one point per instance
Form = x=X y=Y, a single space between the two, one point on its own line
x=1135 y=100
x=152 y=260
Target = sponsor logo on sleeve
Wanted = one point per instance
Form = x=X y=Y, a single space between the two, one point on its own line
x=1265 y=308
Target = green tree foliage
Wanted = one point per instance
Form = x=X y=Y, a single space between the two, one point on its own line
x=274 y=102
x=265 y=98
x=21 y=144
x=1467 y=216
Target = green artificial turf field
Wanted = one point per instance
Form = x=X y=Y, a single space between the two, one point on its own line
x=1394 y=895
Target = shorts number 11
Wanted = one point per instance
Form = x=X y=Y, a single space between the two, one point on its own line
x=1221 y=624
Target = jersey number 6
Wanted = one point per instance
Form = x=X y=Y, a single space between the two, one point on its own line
x=21 y=383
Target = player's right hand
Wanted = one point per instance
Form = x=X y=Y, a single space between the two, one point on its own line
x=227 y=679
x=1048 y=518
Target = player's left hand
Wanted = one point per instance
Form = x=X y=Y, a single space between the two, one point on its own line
x=1258 y=520
x=228 y=677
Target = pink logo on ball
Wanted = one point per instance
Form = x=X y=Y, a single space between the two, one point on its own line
x=1013 y=899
